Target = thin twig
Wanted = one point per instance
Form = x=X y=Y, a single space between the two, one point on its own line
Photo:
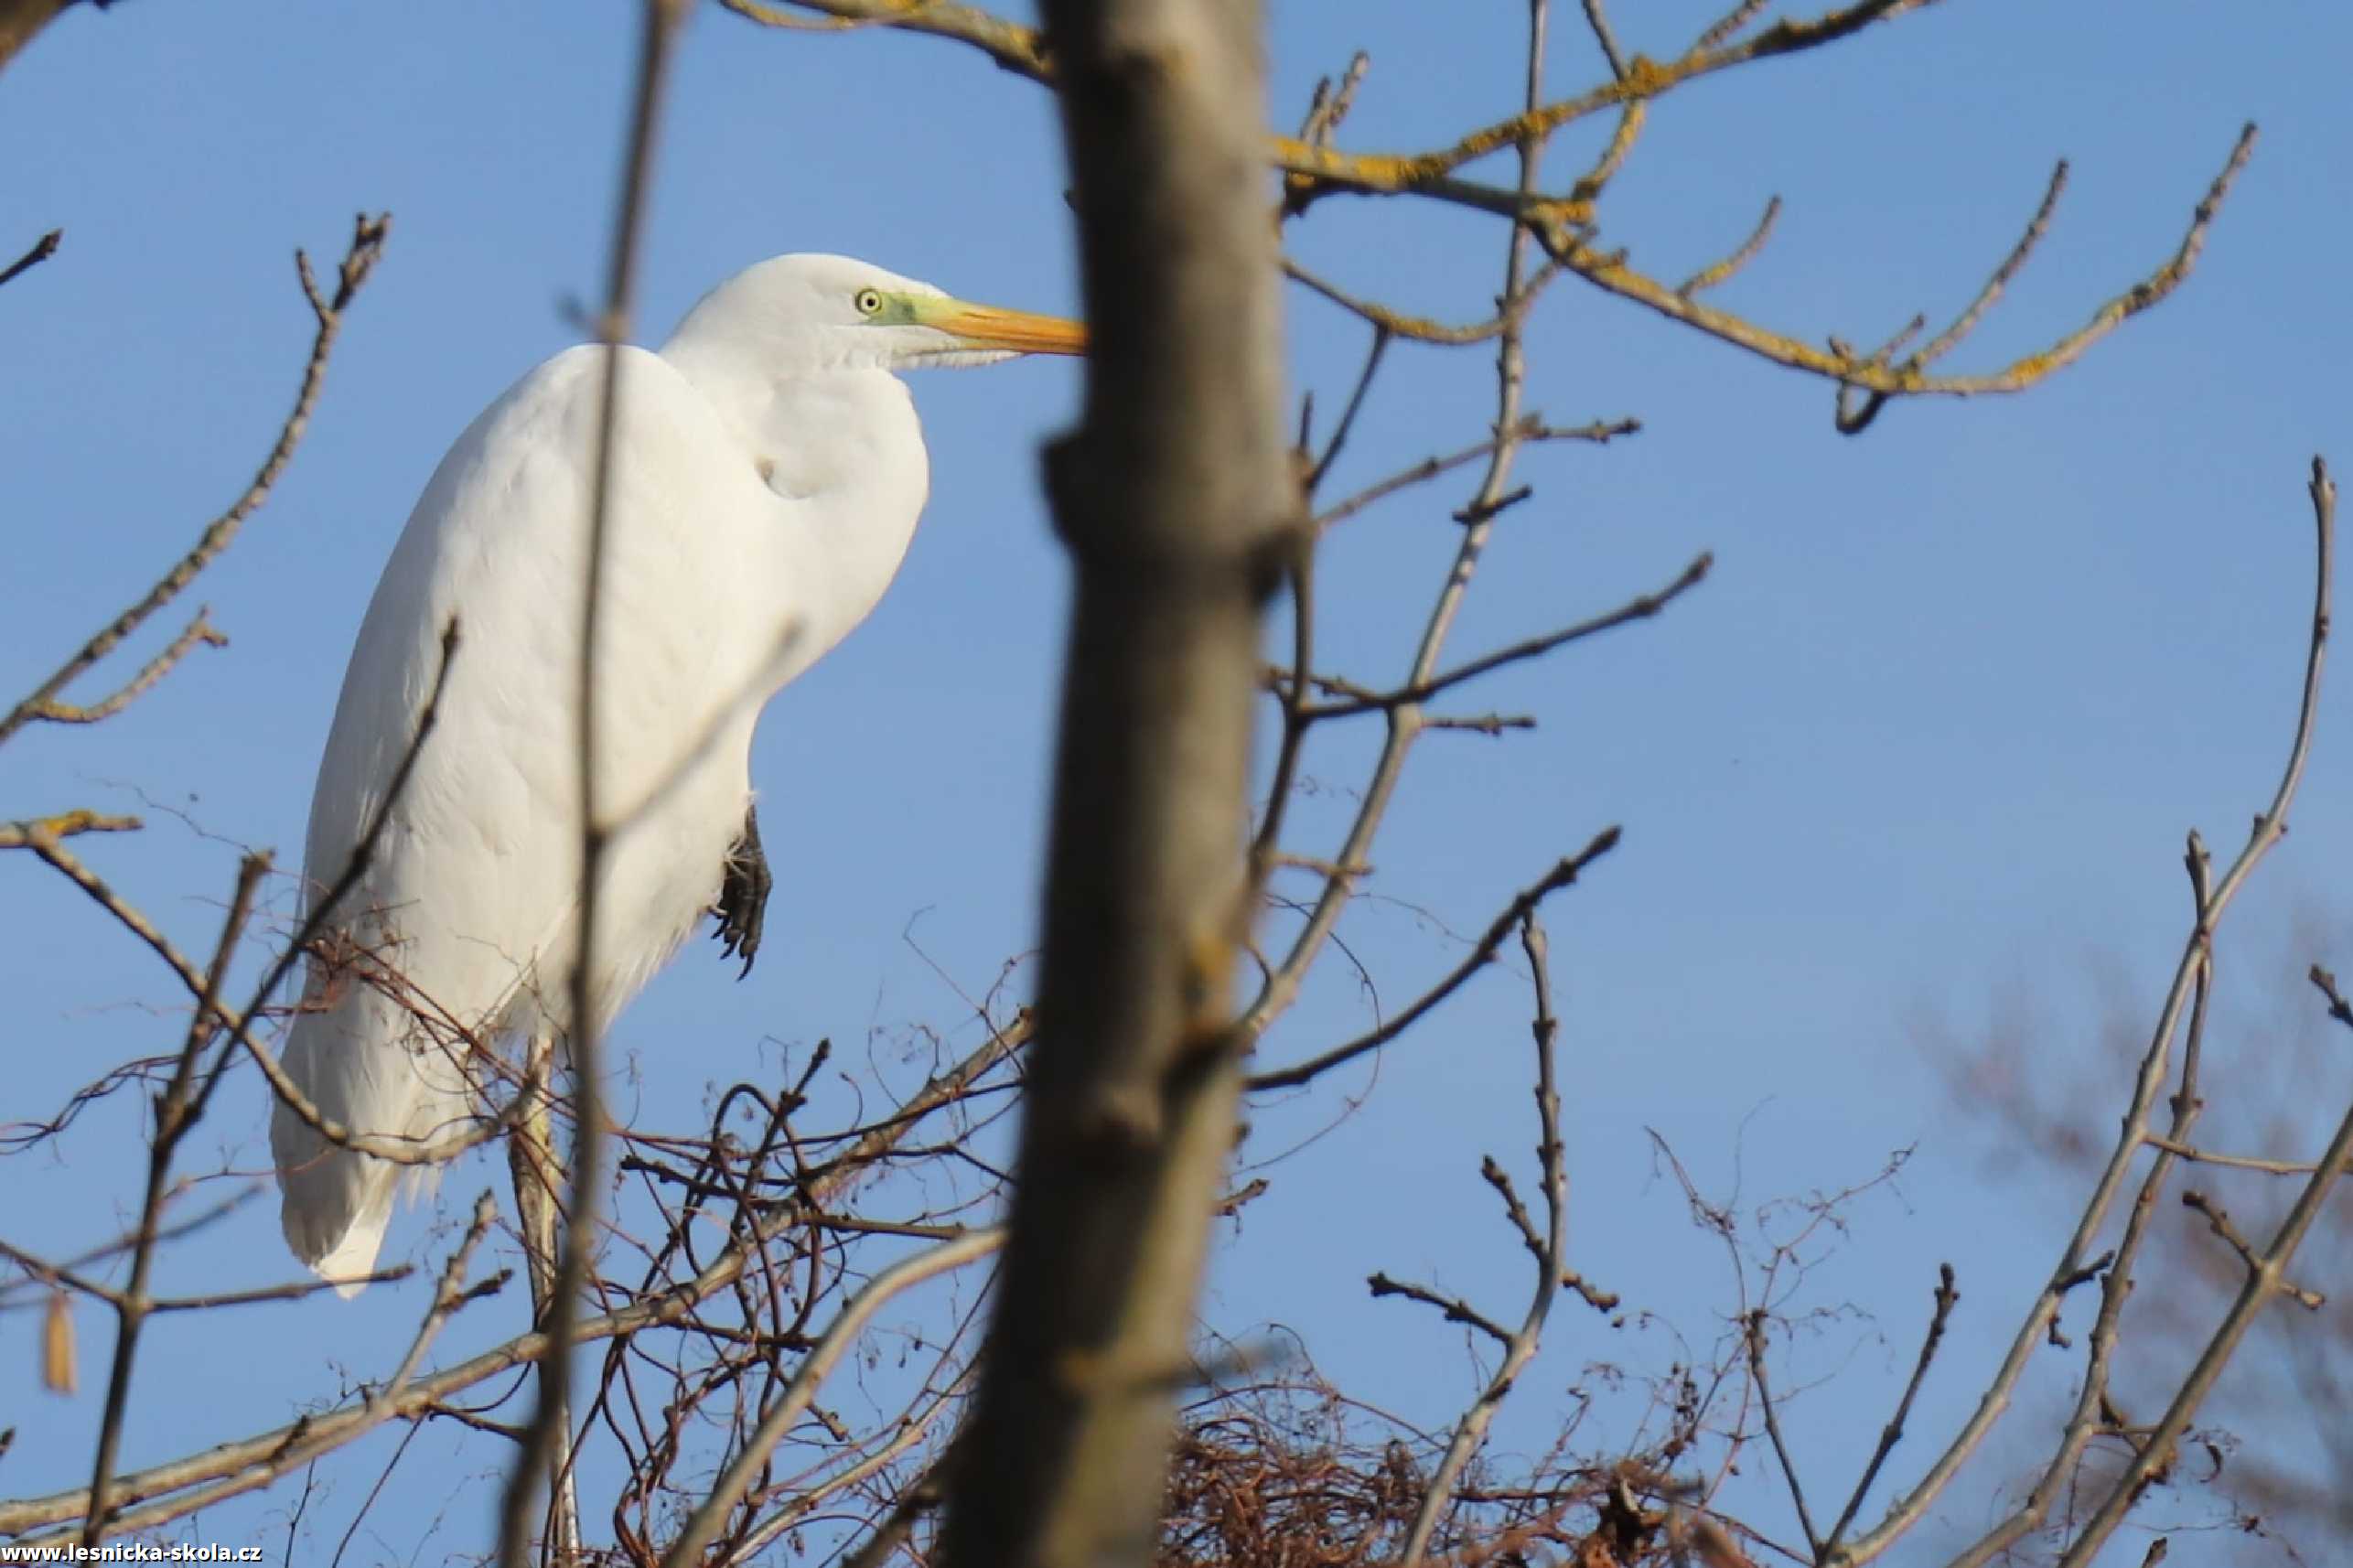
x=1453 y=1307
x=703 y=1526
x=1852 y=420
x=1323 y=466
x=1640 y=607
x=1722 y=30
x=1590 y=185
x=1598 y=19
x=1753 y=1336
x=1947 y=1297
x=1552 y=1158
x=1563 y=874
x=1717 y=271
x=546 y=1441
x=31 y=833
x=2198 y=1156
x=1530 y=430
x=199 y=630
x=2218 y=1219
x=43 y=248
x=808 y=1498
x=175 y=1110
x=449 y=1295
x=187 y=1486
x=367 y=245
x=1421 y=328
x=913 y=1503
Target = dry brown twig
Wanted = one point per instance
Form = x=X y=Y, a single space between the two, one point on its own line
x=1520 y=1344
x=178 y=1488
x=42 y=250
x=42 y=838
x=702 y=1529
x=1948 y=1296
x=176 y=1110
x=366 y=244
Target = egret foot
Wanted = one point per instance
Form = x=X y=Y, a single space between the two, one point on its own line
x=743 y=885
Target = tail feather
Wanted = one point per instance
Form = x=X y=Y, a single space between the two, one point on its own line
x=354 y=1258
x=334 y=1203
x=355 y=1065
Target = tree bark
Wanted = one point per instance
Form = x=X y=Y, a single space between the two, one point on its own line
x=20 y=20
x=1177 y=503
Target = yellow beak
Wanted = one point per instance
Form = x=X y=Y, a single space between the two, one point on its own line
x=987 y=327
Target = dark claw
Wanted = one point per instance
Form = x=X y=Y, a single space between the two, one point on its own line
x=744 y=883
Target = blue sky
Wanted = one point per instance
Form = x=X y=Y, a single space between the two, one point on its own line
x=1928 y=739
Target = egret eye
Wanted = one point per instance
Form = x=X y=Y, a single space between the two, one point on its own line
x=868 y=301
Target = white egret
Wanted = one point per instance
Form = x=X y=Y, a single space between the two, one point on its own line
x=768 y=472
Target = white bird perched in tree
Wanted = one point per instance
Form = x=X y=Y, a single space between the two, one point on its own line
x=767 y=472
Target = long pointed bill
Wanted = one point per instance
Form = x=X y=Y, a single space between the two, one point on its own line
x=987 y=327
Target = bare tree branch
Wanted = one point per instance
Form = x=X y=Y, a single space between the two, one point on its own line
x=1754 y=1337
x=43 y=248
x=1947 y=1297
x=175 y=1113
x=1552 y=1157
x=201 y=1481
x=1563 y=874
x=2072 y=1270
x=367 y=245
x=704 y=1527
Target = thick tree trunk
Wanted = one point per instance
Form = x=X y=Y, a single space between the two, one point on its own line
x=1176 y=500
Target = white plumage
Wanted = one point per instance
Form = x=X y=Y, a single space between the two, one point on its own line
x=768 y=473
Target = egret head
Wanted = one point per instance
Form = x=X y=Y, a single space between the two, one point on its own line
x=811 y=313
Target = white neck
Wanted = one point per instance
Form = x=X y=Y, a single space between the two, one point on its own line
x=841 y=451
